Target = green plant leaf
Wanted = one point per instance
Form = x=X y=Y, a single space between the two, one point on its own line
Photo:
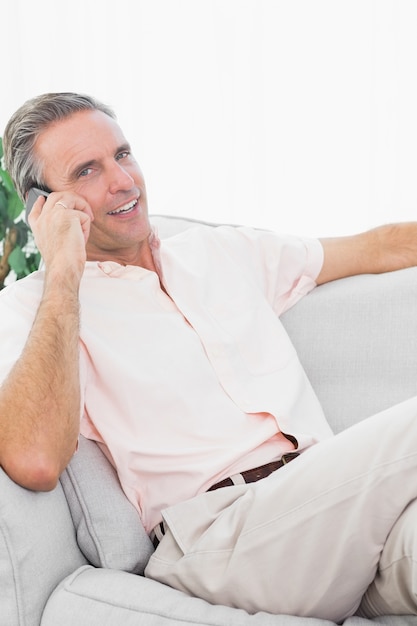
x=32 y=262
x=15 y=206
x=17 y=260
x=7 y=181
x=25 y=257
x=3 y=203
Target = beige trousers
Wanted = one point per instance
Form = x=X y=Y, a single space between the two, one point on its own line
x=309 y=539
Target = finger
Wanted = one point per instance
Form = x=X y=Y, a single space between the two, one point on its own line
x=85 y=223
x=58 y=201
x=75 y=203
x=74 y=210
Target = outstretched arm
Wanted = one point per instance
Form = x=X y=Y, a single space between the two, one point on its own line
x=382 y=249
x=40 y=399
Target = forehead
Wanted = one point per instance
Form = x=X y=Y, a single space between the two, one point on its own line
x=82 y=136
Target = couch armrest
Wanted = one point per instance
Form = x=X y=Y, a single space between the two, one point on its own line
x=37 y=550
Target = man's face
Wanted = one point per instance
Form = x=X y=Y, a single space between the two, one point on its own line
x=87 y=154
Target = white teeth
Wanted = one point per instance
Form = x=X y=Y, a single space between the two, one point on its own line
x=124 y=209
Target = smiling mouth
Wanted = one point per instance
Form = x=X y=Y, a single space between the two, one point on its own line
x=127 y=208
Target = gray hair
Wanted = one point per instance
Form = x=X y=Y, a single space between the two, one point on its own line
x=25 y=126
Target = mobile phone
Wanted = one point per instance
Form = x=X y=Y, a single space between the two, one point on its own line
x=33 y=195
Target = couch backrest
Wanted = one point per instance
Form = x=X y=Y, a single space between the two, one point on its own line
x=357 y=340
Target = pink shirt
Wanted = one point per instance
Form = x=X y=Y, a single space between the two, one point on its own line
x=185 y=390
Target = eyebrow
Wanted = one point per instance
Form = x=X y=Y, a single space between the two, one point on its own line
x=86 y=164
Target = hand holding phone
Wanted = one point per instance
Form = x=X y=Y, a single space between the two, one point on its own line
x=54 y=236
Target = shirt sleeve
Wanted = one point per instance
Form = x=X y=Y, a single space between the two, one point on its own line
x=18 y=306
x=285 y=267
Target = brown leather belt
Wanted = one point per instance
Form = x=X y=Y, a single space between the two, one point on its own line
x=248 y=476
x=252 y=475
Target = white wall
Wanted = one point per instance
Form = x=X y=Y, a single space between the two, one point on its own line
x=297 y=115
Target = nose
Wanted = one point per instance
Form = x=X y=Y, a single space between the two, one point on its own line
x=119 y=179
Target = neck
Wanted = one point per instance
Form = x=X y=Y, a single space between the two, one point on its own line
x=141 y=257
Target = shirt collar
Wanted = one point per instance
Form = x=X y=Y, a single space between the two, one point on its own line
x=117 y=269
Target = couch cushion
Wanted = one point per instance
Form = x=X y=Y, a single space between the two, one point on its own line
x=37 y=550
x=95 y=597
x=109 y=530
x=91 y=597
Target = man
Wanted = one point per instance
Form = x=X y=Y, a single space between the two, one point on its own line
x=172 y=357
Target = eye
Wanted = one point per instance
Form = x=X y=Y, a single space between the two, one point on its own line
x=85 y=172
x=122 y=155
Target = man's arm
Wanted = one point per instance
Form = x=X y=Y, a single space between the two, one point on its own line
x=383 y=249
x=40 y=399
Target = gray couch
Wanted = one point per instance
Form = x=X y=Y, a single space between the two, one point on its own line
x=75 y=556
